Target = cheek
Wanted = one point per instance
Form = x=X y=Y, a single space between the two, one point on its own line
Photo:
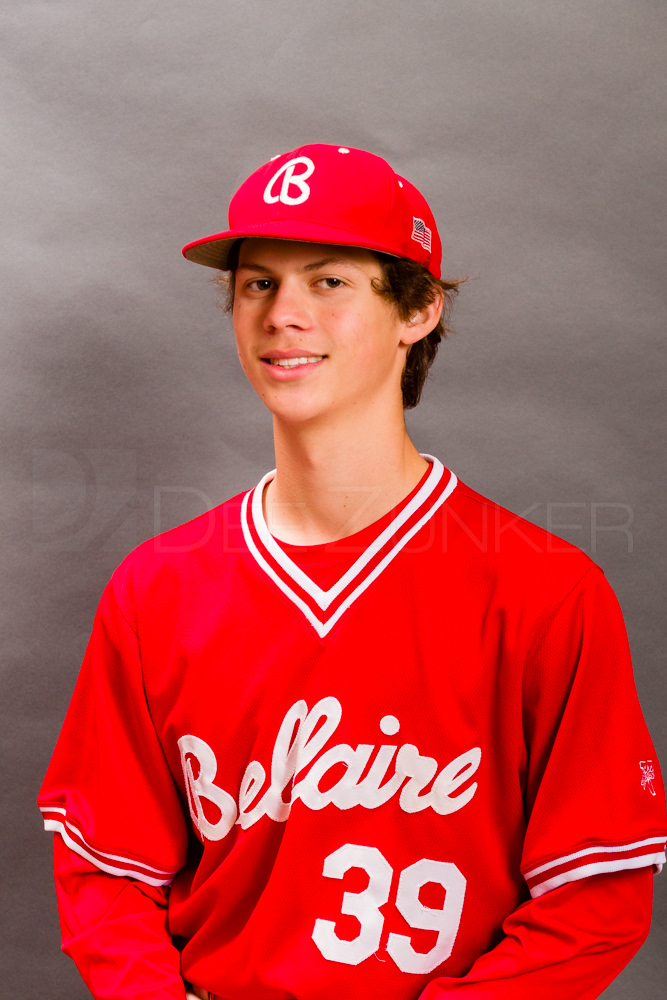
x=239 y=348
x=241 y=333
x=244 y=359
x=376 y=350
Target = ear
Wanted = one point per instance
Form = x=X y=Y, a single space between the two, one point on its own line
x=423 y=321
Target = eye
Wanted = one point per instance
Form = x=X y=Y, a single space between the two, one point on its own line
x=260 y=284
x=330 y=282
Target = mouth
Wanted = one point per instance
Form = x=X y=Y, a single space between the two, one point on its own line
x=294 y=362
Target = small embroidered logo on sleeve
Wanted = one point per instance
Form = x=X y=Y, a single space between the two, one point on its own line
x=421 y=233
x=648 y=774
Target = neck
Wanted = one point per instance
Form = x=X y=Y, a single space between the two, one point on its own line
x=333 y=481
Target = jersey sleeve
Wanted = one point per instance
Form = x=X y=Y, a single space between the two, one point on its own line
x=108 y=790
x=116 y=931
x=568 y=943
x=594 y=793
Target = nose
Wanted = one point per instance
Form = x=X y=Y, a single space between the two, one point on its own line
x=287 y=309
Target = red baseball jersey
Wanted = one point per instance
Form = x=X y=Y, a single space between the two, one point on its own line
x=352 y=761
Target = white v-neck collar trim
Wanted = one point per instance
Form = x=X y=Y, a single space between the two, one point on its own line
x=295 y=579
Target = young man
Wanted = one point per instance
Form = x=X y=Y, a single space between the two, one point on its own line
x=358 y=731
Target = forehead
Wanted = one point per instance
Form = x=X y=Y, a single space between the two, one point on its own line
x=275 y=253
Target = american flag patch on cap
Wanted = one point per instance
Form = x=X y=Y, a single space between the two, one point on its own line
x=421 y=233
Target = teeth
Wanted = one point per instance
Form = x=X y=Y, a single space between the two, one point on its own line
x=293 y=362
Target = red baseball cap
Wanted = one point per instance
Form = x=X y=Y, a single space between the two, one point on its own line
x=328 y=194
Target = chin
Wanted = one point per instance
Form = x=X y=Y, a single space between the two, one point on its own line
x=298 y=412
x=293 y=406
x=295 y=416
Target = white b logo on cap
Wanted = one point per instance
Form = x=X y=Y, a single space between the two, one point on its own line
x=290 y=179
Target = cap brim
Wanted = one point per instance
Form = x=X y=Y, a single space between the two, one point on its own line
x=213 y=251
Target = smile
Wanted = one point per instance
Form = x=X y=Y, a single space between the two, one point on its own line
x=293 y=362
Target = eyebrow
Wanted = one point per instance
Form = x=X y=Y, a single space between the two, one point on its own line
x=314 y=266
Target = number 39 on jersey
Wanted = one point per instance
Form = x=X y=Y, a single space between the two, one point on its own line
x=365 y=906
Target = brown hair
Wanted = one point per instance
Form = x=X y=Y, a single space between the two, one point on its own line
x=409 y=287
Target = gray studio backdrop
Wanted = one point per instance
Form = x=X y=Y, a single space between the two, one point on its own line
x=535 y=130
